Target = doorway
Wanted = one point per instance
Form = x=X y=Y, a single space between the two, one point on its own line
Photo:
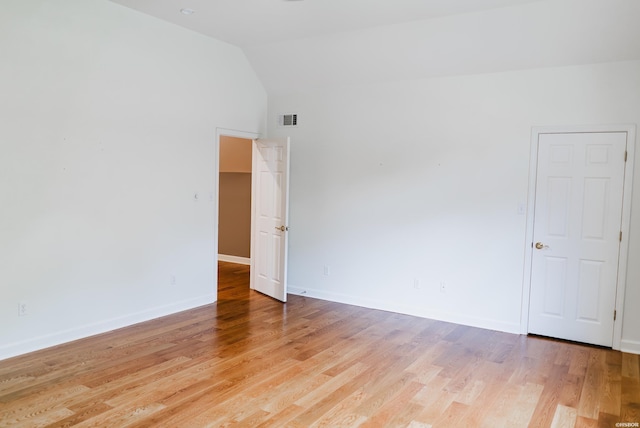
x=577 y=233
x=234 y=200
x=266 y=224
x=232 y=175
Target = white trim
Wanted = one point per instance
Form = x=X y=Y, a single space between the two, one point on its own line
x=234 y=259
x=624 y=244
x=430 y=313
x=254 y=184
x=84 y=331
x=630 y=346
x=526 y=274
x=630 y=129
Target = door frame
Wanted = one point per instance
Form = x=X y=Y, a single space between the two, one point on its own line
x=630 y=129
x=224 y=132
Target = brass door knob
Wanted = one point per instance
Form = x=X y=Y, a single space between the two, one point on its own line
x=282 y=228
x=539 y=245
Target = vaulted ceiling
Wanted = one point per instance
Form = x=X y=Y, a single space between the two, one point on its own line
x=257 y=22
x=297 y=44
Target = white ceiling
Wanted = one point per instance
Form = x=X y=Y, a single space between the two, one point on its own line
x=257 y=22
x=305 y=44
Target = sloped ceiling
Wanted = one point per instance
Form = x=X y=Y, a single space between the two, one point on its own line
x=257 y=22
x=294 y=45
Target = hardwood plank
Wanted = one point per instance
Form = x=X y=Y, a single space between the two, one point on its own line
x=120 y=417
x=416 y=424
x=107 y=391
x=550 y=397
x=564 y=417
x=40 y=418
x=524 y=405
x=304 y=381
x=604 y=420
x=589 y=405
x=495 y=409
x=282 y=418
x=592 y=423
x=452 y=415
x=393 y=411
x=329 y=386
x=434 y=399
x=610 y=395
x=630 y=400
x=471 y=392
x=343 y=414
x=29 y=407
x=248 y=360
x=579 y=362
x=571 y=390
x=79 y=416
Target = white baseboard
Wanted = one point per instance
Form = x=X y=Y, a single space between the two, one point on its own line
x=430 y=313
x=234 y=259
x=630 y=346
x=58 y=338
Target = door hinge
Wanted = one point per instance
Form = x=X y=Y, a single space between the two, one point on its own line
x=620 y=236
x=615 y=314
x=625 y=155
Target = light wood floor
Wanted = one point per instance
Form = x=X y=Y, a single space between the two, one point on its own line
x=251 y=361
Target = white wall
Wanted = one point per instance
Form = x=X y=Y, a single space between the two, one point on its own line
x=421 y=179
x=107 y=130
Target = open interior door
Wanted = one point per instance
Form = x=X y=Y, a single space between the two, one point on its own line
x=270 y=225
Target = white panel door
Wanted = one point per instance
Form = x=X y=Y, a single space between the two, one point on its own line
x=577 y=224
x=271 y=207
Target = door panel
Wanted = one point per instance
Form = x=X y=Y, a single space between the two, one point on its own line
x=577 y=223
x=589 y=286
x=271 y=169
x=555 y=278
x=559 y=190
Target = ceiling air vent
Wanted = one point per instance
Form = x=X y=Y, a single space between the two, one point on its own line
x=288 y=120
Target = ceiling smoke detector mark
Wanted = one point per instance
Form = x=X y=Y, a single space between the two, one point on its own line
x=288 y=120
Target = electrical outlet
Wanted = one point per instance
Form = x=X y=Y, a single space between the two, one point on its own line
x=326 y=270
x=443 y=287
x=173 y=280
x=22 y=309
x=416 y=283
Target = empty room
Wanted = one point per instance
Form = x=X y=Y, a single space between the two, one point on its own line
x=408 y=213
